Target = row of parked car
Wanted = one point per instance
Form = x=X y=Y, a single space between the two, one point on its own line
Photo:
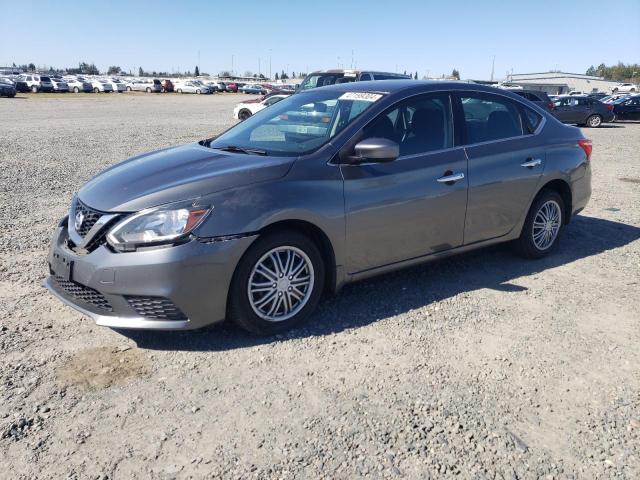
x=587 y=109
x=77 y=83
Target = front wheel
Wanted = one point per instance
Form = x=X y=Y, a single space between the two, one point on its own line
x=179 y=90
x=244 y=114
x=34 y=89
x=128 y=89
x=198 y=92
x=148 y=90
x=96 y=90
x=277 y=283
x=76 y=90
x=542 y=227
x=594 y=121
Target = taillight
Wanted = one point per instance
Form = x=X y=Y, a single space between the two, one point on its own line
x=551 y=105
x=587 y=146
x=609 y=106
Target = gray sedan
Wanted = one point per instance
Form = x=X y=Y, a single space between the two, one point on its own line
x=324 y=188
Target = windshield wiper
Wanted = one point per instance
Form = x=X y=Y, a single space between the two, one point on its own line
x=236 y=149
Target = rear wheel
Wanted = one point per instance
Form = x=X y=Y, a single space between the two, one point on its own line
x=179 y=90
x=277 y=284
x=148 y=89
x=244 y=114
x=594 y=121
x=76 y=90
x=128 y=89
x=543 y=225
x=198 y=92
x=34 y=89
x=96 y=90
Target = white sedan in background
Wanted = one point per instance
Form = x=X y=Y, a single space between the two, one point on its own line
x=59 y=85
x=244 y=110
x=190 y=87
x=624 y=87
x=117 y=85
x=101 y=85
x=78 y=84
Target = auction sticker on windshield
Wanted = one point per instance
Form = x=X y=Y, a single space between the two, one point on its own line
x=364 y=96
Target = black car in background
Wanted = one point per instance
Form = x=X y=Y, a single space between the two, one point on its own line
x=582 y=110
x=628 y=109
x=539 y=98
x=7 y=89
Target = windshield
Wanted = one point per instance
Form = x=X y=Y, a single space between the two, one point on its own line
x=45 y=79
x=324 y=79
x=299 y=124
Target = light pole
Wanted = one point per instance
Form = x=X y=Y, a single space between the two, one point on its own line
x=259 y=72
x=270 y=64
x=232 y=65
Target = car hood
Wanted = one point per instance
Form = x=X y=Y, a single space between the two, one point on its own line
x=177 y=174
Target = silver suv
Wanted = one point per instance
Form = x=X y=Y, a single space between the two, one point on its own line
x=145 y=85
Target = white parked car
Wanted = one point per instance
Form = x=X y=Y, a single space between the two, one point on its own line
x=117 y=85
x=624 y=87
x=59 y=85
x=577 y=92
x=149 y=85
x=244 y=110
x=78 y=84
x=101 y=85
x=190 y=86
x=37 y=83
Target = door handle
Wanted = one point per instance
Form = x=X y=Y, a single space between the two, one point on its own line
x=451 y=178
x=531 y=162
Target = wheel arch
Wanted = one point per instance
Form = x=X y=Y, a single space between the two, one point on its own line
x=564 y=190
x=321 y=240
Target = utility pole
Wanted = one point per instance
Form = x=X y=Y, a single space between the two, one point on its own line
x=198 y=59
x=270 y=64
x=232 y=65
x=352 y=59
x=259 y=72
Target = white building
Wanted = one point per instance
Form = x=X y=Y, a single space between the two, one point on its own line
x=555 y=83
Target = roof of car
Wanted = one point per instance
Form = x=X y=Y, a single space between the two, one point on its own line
x=393 y=86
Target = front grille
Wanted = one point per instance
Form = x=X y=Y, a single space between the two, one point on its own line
x=159 y=308
x=85 y=294
x=91 y=216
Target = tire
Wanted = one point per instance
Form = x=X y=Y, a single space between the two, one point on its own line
x=198 y=92
x=594 y=121
x=633 y=90
x=244 y=114
x=529 y=247
x=615 y=90
x=76 y=90
x=34 y=89
x=148 y=90
x=179 y=90
x=128 y=89
x=244 y=312
x=96 y=90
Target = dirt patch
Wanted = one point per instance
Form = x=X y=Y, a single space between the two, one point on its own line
x=102 y=367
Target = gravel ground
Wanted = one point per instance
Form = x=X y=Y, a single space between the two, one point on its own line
x=479 y=366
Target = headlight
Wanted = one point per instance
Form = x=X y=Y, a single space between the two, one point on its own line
x=155 y=226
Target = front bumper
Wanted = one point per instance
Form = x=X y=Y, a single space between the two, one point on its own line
x=193 y=277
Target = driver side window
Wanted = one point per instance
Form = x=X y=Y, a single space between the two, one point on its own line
x=420 y=125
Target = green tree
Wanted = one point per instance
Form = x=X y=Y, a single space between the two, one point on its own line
x=113 y=70
x=197 y=72
x=591 y=71
x=140 y=72
x=415 y=77
x=277 y=77
x=31 y=67
x=455 y=74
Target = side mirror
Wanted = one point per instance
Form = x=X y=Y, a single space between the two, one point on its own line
x=379 y=150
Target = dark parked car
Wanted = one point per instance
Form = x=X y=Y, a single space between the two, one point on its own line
x=539 y=98
x=7 y=89
x=582 y=110
x=21 y=85
x=323 y=188
x=322 y=78
x=167 y=85
x=598 y=95
x=628 y=109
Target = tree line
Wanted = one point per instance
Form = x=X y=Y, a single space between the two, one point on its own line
x=620 y=72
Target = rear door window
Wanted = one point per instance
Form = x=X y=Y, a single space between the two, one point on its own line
x=490 y=117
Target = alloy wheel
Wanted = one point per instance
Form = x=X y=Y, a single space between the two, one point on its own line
x=280 y=283
x=546 y=225
x=595 y=121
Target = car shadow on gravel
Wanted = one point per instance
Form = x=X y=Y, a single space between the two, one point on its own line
x=369 y=301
